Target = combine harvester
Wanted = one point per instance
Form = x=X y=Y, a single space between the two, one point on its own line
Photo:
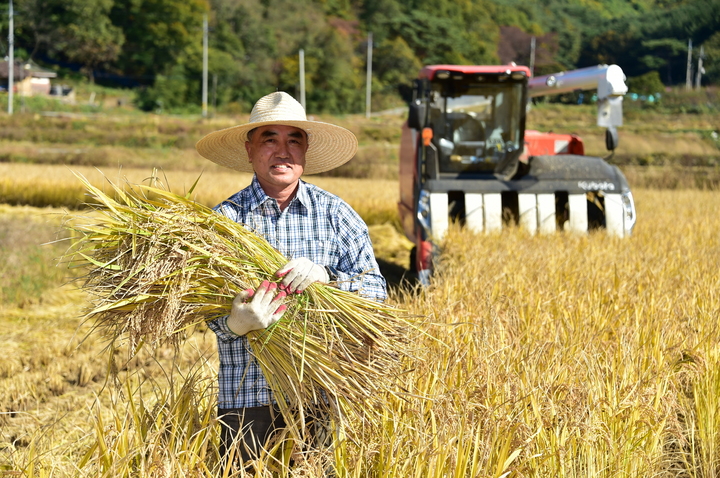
x=465 y=155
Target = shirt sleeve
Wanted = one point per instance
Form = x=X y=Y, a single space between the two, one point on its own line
x=223 y=332
x=357 y=269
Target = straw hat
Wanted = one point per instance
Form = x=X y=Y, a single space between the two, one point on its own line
x=329 y=146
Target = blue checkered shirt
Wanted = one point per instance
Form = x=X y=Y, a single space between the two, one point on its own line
x=316 y=225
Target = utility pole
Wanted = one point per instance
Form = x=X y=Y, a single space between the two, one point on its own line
x=532 y=56
x=368 y=81
x=214 y=102
x=301 y=60
x=204 y=98
x=700 y=69
x=11 y=60
x=688 y=73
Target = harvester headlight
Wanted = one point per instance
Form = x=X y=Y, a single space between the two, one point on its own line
x=442 y=75
x=629 y=211
x=518 y=75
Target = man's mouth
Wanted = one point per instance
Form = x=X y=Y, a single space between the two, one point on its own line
x=281 y=167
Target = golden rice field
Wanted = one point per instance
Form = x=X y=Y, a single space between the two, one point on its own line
x=562 y=355
x=33 y=184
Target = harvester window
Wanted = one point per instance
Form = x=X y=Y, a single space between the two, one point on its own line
x=467 y=129
x=476 y=126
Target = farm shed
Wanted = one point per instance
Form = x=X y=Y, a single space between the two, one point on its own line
x=29 y=79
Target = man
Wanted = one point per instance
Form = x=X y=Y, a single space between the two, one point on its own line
x=324 y=238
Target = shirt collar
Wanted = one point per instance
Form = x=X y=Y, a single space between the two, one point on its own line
x=302 y=197
x=258 y=196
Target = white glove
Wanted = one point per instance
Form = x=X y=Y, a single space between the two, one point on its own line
x=299 y=273
x=263 y=310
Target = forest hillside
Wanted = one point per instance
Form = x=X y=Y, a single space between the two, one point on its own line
x=155 y=47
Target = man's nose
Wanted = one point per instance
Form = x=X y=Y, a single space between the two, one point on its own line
x=282 y=150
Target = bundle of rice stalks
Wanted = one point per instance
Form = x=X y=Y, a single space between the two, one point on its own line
x=158 y=264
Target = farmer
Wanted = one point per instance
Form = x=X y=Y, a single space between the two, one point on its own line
x=324 y=238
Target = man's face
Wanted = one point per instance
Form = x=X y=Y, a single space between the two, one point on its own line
x=277 y=154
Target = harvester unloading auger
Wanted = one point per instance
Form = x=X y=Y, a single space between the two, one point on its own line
x=465 y=155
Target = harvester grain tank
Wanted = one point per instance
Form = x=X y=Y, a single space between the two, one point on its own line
x=465 y=155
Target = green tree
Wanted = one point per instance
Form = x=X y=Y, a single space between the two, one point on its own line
x=711 y=61
x=338 y=8
x=169 y=92
x=647 y=84
x=334 y=72
x=254 y=44
x=241 y=34
x=438 y=31
x=394 y=63
x=337 y=80
x=87 y=36
x=159 y=34
x=75 y=31
x=35 y=23
x=660 y=51
x=654 y=37
x=264 y=38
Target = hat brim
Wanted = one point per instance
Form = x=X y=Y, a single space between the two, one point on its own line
x=329 y=146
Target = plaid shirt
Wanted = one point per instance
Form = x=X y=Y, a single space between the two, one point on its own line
x=316 y=225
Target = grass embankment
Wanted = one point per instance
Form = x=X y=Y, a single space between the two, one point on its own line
x=42 y=177
x=673 y=146
x=165 y=142
x=647 y=137
x=561 y=355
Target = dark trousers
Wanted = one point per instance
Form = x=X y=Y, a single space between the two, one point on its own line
x=251 y=428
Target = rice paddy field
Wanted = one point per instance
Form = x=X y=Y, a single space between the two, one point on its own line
x=562 y=355
x=566 y=355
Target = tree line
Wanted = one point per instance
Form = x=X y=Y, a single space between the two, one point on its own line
x=155 y=46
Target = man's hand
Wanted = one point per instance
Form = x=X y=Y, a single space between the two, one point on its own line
x=299 y=273
x=263 y=310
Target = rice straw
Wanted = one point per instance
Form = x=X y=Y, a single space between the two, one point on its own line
x=158 y=264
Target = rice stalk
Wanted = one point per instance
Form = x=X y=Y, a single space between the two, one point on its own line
x=159 y=264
